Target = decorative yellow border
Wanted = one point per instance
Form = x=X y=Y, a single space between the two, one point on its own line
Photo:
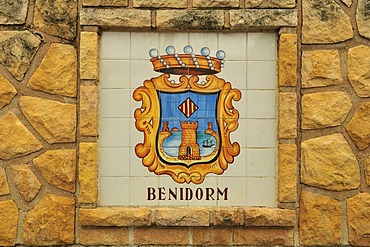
x=147 y=121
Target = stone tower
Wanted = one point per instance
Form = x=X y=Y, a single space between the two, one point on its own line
x=189 y=148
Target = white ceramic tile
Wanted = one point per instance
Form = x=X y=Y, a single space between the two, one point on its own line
x=115 y=45
x=141 y=70
x=137 y=169
x=115 y=74
x=200 y=40
x=115 y=162
x=114 y=191
x=261 y=192
x=262 y=46
x=237 y=191
x=261 y=162
x=239 y=167
x=115 y=103
x=234 y=44
x=141 y=43
x=261 y=103
x=240 y=135
x=178 y=40
x=261 y=133
x=141 y=191
x=113 y=132
x=261 y=75
x=235 y=72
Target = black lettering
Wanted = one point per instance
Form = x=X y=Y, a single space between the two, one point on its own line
x=181 y=194
x=222 y=193
x=173 y=194
x=209 y=194
x=188 y=194
x=199 y=194
x=161 y=192
x=151 y=194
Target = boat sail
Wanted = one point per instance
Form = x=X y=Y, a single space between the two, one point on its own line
x=208 y=143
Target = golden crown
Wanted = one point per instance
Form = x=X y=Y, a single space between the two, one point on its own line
x=187 y=63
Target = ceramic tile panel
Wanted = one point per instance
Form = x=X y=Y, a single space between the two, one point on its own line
x=115 y=45
x=200 y=40
x=261 y=104
x=111 y=99
x=261 y=192
x=261 y=75
x=236 y=70
x=118 y=159
x=181 y=163
x=258 y=162
x=261 y=133
x=116 y=73
x=114 y=191
x=177 y=40
x=235 y=44
x=261 y=47
x=147 y=186
x=139 y=50
x=113 y=132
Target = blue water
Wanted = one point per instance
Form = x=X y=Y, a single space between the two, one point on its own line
x=172 y=143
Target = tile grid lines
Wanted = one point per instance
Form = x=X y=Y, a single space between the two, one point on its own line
x=249 y=89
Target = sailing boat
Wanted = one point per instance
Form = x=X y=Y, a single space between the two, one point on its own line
x=207 y=143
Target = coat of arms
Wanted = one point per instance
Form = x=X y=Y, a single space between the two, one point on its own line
x=187 y=123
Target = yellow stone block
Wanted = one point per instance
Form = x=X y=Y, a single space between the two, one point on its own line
x=288 y=60
x=358 y=213
x=4 y=187
x=7 y=92
x=116 y=3
x=25 y=181
x=89 y=110
x=57 y=73
x=269 y=217
x=182 y=217
x=287 y=173
x=15 y=139
x=55 y=121
x=89 y=55
x=88 y=175
x=50 y=222
x=58 y=167
x=320 y=220
x=114 y=236
x=324 y=109
x=9 y=223
x=321 y=68
x=121 y=216
x=287 y=115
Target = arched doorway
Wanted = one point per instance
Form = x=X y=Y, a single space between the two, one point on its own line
x=188 y=150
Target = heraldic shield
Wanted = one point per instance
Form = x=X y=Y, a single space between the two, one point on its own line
x=187 y=123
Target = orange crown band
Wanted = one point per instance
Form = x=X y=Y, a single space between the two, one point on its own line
x=188 y=63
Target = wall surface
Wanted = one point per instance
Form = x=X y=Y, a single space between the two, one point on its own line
x=49 y=124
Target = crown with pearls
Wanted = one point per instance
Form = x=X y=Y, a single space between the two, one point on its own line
x=187 y=63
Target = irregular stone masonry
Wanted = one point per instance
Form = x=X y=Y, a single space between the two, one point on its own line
x=44 y=87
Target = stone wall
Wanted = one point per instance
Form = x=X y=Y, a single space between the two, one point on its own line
x=335 y=82
x=49 y=80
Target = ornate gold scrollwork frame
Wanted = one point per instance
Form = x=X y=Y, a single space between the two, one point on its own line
x=147 y=121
